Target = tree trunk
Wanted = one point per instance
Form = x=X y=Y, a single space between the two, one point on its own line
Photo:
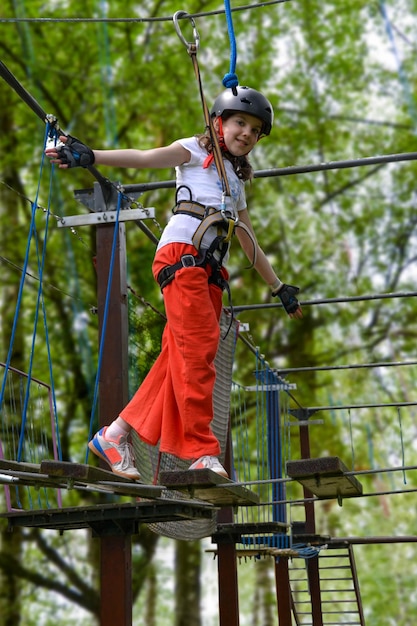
x=10 y=547
x=187 y=583
x=265 y=605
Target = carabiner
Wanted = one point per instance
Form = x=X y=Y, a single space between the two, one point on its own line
x=192 y=47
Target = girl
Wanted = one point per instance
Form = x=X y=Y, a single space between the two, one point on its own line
x=174 y=403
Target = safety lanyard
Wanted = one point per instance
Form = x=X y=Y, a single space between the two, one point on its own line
x=192 y=48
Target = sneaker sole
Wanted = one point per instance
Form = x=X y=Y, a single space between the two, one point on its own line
x=97 y=452
x=223 y=473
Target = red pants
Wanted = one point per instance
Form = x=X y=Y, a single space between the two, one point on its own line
x=174 y=404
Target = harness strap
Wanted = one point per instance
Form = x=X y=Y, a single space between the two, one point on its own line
x=210 y=216
x=201 y=260
x=217 y=153
x=192 y=49
x=195 y=209
x=167 y=273
x=215 y=219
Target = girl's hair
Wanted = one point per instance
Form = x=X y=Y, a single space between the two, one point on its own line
x=241 y=164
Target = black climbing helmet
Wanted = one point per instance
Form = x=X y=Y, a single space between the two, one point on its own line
x=247 y=100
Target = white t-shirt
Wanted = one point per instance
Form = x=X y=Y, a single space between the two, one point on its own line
x=206 y=188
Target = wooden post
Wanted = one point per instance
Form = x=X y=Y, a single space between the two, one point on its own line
x=115 y=551
x=227 y=564
x=313 y=572
x=282 y=581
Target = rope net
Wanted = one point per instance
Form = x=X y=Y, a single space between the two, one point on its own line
x=261 y=446
x=256 y=417
x=148 y=457
x=27 y=436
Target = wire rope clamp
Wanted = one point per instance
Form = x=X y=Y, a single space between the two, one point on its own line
x=192 y=46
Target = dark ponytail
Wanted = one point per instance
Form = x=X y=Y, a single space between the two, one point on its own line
x=241 y=164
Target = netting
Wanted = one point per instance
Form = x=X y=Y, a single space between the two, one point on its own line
x=148 y=457
x=27 y=436
x=261 y=447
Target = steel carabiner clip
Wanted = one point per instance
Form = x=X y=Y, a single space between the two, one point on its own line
x=192 y=46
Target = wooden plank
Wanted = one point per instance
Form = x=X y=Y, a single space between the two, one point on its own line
x=5 y=464
x=208 y=486
x=81 y=471
x=82 y=474
x=65 y=475
x=325 y=477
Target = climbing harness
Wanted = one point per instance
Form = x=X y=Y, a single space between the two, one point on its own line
x=209 y=216
x=167 y=274
x=213 y=255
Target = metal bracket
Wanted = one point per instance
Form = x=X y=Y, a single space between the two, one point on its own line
x=102 y=207
x=272 y=387
x=106 y=217
x=96 y=200
x=302 y=415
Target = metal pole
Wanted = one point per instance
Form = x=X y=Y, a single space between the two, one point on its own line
x=378 y=296
x=298 y=169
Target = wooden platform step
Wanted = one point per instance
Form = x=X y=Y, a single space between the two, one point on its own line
x=206 y=485
x=66 y=475
x=325 y=477
x=111 y=519
x=240 y=532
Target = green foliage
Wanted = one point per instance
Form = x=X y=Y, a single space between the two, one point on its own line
x=329 y=70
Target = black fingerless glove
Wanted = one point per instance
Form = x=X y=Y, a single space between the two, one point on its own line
x=287 y=294
x=75 y=154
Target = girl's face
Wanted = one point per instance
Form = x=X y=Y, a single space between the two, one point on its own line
x=241 y=132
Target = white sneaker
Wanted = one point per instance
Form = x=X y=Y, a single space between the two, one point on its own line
x=209 y=462
x=118 y=454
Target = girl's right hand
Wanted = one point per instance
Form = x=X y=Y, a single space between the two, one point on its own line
x=71 y=153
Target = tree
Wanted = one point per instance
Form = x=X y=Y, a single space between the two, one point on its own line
x=338 y=93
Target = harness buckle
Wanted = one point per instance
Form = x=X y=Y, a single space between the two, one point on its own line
x=188 y=260
x=232 y=222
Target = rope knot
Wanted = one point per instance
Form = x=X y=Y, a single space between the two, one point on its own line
x=230 y=81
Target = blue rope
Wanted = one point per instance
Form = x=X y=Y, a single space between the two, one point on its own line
x=39 y=301
x=230 y=80
x=105 y=316
x=307 y=552
x=20 y=293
